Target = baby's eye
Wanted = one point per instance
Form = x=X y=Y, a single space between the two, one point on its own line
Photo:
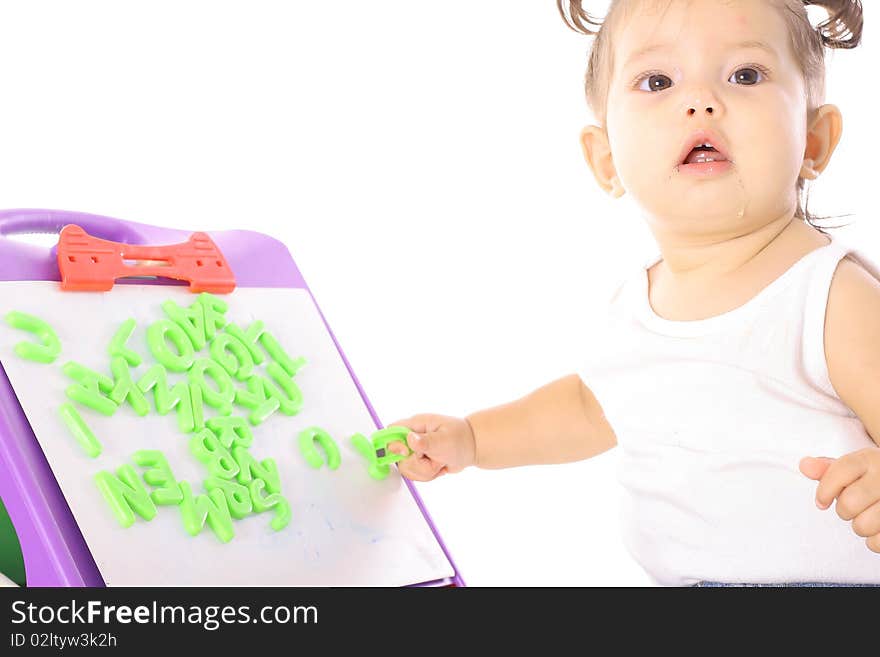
x=655 y=82
x=747 y=75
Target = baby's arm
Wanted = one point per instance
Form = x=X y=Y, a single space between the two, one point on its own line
x=852 y=350
x=558 y=423
x=852 y=342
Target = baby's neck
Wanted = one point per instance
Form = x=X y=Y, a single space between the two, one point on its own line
x=687 y=259
x=699 y=281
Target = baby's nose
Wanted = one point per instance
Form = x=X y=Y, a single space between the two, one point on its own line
x=694 y=109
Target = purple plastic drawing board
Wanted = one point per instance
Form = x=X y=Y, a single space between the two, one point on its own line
x=53 y=548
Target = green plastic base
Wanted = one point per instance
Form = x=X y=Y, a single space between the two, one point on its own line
x=11 y=560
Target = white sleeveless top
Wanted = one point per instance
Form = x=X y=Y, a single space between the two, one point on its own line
x=712 y=417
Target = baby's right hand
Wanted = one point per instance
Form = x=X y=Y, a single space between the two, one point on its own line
x=440 y=444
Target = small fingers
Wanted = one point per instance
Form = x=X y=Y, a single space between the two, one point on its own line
x=418 y=443
x=867 y=523
x=840 y=474
x=419 y=468
x=857 y=498
x=414 y=423
x=398 y=448
x=814 y=466
x=415 y=444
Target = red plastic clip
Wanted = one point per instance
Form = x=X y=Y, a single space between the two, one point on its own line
x=90 y=263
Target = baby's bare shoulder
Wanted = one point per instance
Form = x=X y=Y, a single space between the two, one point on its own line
x=852 y=350
x=853 y=282
x=852 y=319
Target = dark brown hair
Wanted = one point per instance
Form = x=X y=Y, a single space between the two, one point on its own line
x=842 y=29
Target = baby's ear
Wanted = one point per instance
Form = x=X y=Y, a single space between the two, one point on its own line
x=823 y=135
x=597 y=153
x=807 y=170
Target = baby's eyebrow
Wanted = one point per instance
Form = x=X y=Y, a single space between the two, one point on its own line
x=658 y=47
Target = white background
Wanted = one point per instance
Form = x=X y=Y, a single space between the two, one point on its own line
x=421 y=162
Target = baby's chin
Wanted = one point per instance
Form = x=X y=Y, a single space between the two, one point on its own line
x=704 y=208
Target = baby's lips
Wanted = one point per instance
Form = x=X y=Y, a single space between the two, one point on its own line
x=701 y=136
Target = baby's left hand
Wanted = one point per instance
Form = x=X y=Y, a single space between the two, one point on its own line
x=854 y=479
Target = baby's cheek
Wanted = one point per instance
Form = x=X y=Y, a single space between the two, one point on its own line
x=642 y=157
x=773 y=137
x=769 y=174
x=644 y=181
x=644 y=172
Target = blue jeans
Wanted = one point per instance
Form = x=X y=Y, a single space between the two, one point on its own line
x=707 y=583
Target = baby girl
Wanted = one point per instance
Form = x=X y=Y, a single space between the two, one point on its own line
x=739 y=370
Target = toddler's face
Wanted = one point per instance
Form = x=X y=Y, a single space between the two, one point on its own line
x=702 y=78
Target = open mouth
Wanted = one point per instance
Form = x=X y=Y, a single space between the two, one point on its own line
x=702 y=147
x=704 y=153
